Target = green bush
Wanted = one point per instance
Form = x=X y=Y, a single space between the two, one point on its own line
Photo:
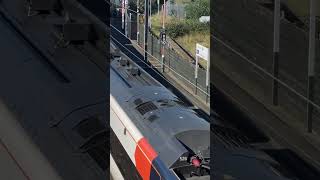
x=197 y=8
x=177 y=28
x=197 y=26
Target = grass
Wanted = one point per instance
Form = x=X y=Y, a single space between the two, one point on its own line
x=189 y=43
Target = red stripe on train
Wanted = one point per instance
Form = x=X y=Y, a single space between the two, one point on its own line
x=144 y=155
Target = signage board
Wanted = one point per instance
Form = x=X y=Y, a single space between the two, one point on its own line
x=202 y=52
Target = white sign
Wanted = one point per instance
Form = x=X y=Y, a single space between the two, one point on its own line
x=202 y=52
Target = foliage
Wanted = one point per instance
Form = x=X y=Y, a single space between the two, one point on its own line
x=187 y=32
x=132 y=5
x=178 y=28
x=196 y=26
x=197 y=8
x=194 y=9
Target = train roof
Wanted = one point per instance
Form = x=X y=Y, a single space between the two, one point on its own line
x=168 y=123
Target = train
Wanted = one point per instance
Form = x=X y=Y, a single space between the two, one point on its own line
x=155 y=127
x=167 y=139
